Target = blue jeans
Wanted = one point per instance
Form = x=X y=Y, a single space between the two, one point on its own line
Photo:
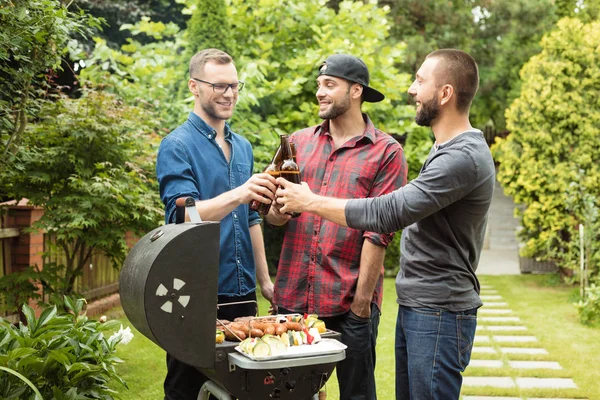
x=433 y=347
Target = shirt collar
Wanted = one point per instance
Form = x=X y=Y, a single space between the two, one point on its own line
x=205 y=129
x=369 y=132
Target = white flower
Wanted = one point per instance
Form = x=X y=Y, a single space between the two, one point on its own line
x=124 y=335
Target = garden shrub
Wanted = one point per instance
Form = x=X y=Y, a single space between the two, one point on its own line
x=553 y=145
x=60 y=355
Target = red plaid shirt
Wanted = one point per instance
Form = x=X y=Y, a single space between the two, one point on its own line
x=319 y=261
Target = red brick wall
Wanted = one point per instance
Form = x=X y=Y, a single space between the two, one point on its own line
x=28 y=247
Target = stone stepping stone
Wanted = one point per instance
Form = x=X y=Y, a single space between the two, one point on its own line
x=495 y=304
x=482 y=339
x=486 y=287
x=546 y=383
x=497 y=382
x=494 y=398
x=546 y=398
x=491 y=297
x=523 y=350
x=486 y=363
x=483 y=349
x=499 y=319
x=515 y=339
x=489 y=291
x=505 y=328
x=494 y=311
x=534 y=365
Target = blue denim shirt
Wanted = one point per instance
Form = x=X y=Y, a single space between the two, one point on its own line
x=191 y=163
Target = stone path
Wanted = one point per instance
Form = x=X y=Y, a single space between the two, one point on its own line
x=500 y=254
x=507 y=362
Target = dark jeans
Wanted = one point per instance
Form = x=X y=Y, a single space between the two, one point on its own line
x=433 y=347
x=183 y=382
x=356 y=373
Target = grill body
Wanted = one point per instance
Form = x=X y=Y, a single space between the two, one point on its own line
x=168 y=288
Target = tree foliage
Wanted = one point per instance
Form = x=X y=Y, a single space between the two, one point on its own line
x=550 y=163
x=117 y=13
x=279 y=47
x=35 y=35
x=500 y=34
x=88 y=163
x=208 y=27
x=508 y=34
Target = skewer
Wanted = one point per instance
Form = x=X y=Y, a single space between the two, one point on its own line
x=230 y=331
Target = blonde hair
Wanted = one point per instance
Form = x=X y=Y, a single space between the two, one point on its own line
x=200 y=59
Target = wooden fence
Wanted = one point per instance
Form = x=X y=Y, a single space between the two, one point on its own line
x=99 y=277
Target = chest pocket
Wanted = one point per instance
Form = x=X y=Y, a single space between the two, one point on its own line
x=243 y=172
x=360 y=180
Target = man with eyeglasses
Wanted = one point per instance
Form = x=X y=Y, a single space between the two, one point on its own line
x=204 y=159
x=337 y=272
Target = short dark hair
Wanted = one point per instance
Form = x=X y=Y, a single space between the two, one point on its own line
x=460 y=70
x=200 y=59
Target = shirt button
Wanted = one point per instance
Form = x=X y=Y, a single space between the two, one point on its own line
x=324 y=183
x=316 y=232
x=234 y=215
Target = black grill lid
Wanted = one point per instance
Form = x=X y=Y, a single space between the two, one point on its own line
x=168 y=288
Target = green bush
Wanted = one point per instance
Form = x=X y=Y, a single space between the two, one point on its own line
x=589 y=307
x=554 y=141
x=59 y=356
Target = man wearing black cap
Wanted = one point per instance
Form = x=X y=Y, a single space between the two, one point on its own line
x=329 y=270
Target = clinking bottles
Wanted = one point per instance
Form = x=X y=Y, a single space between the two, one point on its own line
x=273 y=170
x=289 y=169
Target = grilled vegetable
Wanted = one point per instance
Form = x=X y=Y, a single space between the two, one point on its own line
x=220 y=336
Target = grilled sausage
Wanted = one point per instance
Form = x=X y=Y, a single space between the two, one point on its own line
x=256 y=333
x=293 y=326
x=231 y=337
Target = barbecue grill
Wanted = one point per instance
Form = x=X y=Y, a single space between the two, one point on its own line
x=168 y=288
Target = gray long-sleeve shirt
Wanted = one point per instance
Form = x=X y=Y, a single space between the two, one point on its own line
x=443 y=213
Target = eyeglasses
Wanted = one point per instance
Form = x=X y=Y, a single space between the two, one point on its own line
x=223 y=87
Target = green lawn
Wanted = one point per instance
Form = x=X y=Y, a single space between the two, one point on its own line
x=543 y=307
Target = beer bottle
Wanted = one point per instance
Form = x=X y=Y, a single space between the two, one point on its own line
x=273 y=170
x=289 y=169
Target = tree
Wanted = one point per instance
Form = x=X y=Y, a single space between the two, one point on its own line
x=428 y=25
x=208 y=27
x=34 y=37
x=88 y=163
x=550 y=163
x=508 y=35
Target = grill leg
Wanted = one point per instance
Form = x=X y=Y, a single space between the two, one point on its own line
x=217 y=391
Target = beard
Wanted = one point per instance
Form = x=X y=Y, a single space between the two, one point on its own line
x=429 y=111
x=211 y=110
x=337 y=109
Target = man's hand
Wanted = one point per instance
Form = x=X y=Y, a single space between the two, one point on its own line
x=293 y=197
x=361 y=308
x=259 y=187
x=267 y=289
x=275 y=216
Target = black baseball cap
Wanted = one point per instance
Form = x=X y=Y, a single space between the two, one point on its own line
x=352 y=69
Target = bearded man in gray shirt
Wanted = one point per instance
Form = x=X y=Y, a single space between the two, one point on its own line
x=443 y=214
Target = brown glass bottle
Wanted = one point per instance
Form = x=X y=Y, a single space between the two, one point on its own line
x=273 y=170
x=289 y=169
